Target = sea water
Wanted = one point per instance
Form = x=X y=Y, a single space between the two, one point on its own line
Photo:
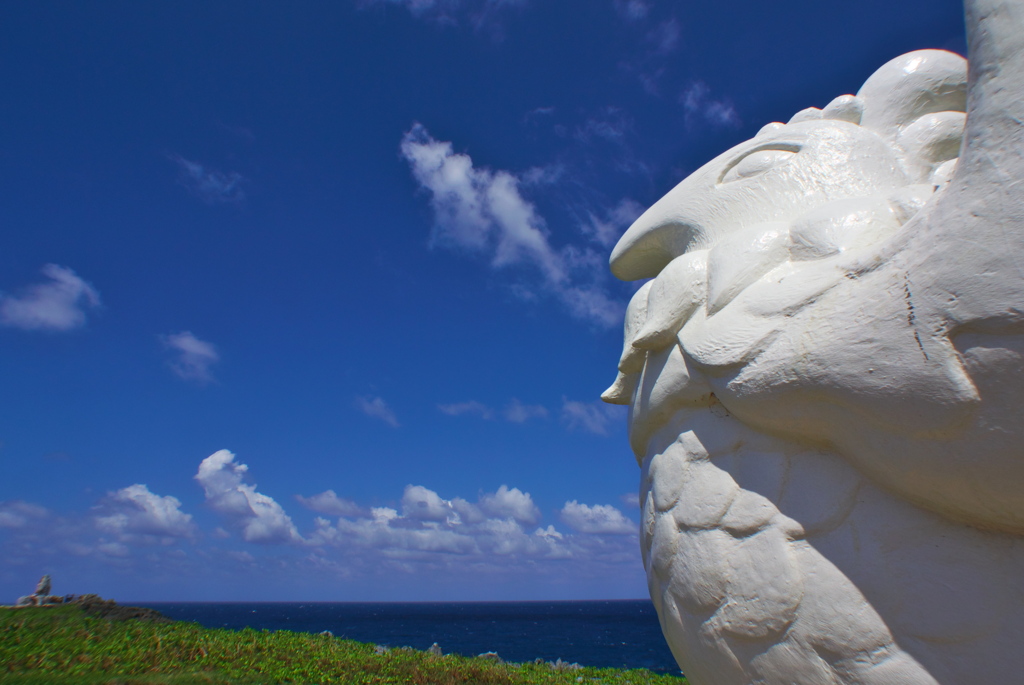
x=619 y=634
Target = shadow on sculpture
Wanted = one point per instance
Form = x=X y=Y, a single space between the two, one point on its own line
x=826 y=384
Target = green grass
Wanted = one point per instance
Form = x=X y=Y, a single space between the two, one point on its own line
x=63 y=644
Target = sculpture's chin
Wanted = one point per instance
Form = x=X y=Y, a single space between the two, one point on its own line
x=927 y=415
x=823 y=360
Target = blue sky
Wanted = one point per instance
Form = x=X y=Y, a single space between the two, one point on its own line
x=310 y=301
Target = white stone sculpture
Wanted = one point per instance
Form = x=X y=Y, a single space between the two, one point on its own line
x=826 y=384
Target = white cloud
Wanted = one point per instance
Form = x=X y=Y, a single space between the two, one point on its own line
x=135 y=511
x=423 y=504
x=517 y=412
x=471 y=407
x=328 y=502
x=57 y=305
x=495 y=539
x=194 y=356
x=697 y=102
x=631 y=500
x=593 y=417
x=257 y=516
x=600 y=518
x=377 y=408
x=477 y=209
x=210 y=185
x=511 y=503
x=429 y=524
x=483 y=212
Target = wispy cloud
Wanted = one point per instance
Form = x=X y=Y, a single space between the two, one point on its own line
x=193 y=357
x=470 y=408
x=58 y=304
x=480 y=14
x=591 y=417
x=611 y=124
x=599 y=518
x=210 y=185
x=657 y=37
x=134 y=513
x=517 y=412
x=479 y=210
x=514 y=412
x=699 y=105
x=663 y=39
x=483 y=212
x=257 y=516
x=18 y=514
x=631 y=500
x=606 y=228
x=632 y=10
x=377 y=408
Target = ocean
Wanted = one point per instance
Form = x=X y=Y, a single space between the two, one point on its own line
x=619 y=634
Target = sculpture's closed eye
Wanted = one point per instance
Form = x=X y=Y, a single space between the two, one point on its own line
x=758 y=161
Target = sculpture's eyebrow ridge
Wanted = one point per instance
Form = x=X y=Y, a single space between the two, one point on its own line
x=780 y=145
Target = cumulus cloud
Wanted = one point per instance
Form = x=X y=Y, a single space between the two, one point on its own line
x=483 y=212
x=699 y=105
x=517 y=412
x=104 y=536
x=377 y=408
x=135 y=511
x=472 y=408
x=497 y=525
x=511 y=503
x=600 y=518
x=424 y=504
x=208 y=184
x=592 y=417
x=193 y=357
x=499 y=535
x=58 y=304
x=328 y=502
x=258 y=517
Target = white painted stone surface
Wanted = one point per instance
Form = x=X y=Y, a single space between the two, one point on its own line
x=826 y=384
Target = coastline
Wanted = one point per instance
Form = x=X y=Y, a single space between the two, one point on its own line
x=66 y=644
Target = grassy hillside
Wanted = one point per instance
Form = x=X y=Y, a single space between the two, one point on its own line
x=72 y=644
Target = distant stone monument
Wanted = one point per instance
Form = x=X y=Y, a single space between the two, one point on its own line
x=826 y=384
x=41 y=596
